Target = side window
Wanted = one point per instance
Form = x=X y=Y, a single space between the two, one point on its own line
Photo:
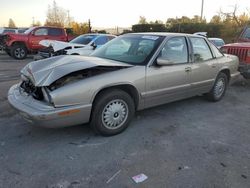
x=101 y=40
x=175 y=50
x=55 y=32
x=9 y=31
x=217 y=52
x=42 y=31
x=201 y=49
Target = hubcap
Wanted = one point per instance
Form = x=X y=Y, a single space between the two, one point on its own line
x=19 y=53
x=219 y=87
x=114 y=114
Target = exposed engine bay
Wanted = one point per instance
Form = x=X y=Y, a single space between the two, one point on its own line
x=38 y=92
x=82 y=74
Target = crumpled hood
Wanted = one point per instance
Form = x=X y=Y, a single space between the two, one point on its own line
x=45 y=72
x=59 y=45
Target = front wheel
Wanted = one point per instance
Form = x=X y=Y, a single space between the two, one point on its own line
x=219 y=88
x=19 y=51
x=112 y=111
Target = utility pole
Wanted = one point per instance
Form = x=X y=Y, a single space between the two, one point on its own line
x=33 y=21
x=68 y=18
x=202 y=6
x=89 y=25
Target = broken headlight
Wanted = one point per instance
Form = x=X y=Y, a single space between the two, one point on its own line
x=47 y=96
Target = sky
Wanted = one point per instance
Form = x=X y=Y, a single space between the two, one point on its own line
x=114 y=13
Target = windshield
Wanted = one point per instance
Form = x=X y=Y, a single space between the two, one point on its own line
x=218 y=42
x=83 y=39
x=29 y=30
x=132 y=49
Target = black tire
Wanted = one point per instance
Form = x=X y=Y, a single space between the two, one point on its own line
x=246 y=76
x=219 y=88
x=103 y=113
x=8 y=52
x=18 y=51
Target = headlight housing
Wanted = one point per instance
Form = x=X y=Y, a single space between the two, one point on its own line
x=47 y=96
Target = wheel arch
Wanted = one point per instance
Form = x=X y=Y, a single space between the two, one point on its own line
x=128 y=88
x=19 y=43
x=226 y=71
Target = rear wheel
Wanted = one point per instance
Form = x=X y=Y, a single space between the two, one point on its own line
x=219 y=88
x=19 y=51
x=112 y=111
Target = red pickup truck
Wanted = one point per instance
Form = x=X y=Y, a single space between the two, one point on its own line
x=19 y=45
x=242 y=50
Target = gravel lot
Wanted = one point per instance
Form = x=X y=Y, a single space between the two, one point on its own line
x=190 y=143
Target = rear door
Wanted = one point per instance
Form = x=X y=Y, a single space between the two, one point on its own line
x=204 y=67
x=169 y=83
x=57 y=34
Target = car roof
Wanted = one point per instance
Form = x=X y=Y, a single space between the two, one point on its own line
x=98 y=34
x=166 y=34
x=215 y=39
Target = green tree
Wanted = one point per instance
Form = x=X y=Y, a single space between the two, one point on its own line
x=79 y=28
x=216 y=19
x=142 y=20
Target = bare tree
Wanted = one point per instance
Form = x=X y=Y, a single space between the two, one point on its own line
x=231 y=16
x=11 y=23
x=56 y=16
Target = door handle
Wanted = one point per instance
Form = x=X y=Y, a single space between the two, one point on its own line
x=213 y=66
x=188 y=69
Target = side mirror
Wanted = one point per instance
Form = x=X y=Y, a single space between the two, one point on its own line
x=164 y=62
x=94 y=45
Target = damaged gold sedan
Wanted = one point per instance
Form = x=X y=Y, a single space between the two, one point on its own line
x=131 y=72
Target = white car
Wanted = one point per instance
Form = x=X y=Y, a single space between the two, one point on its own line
x=218 y=42
x=81 y=45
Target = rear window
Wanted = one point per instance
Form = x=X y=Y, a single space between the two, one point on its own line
x=55 y=32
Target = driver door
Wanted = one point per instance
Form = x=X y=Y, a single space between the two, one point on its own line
x=36 y=36
x=169 y=82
